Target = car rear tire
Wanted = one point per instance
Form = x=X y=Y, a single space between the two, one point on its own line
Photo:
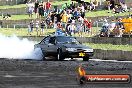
x=85 y=58
x=60 y=56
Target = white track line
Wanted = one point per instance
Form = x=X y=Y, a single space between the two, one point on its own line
x=80 y=59
x=12 y=76
x=110 y=61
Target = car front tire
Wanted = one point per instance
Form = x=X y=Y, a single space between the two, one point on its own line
x=60 y=56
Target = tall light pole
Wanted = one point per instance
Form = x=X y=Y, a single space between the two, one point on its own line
x=7 y=2
x=16 y=2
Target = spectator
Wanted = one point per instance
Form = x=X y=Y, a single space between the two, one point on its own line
x=41 y=10
x=79 y=28
x=37 y=27
x=67 y=27
x=42 y=28
x=69 y=15
x=64 y=6
x=124 y=7
x=93 y=5
x=116 y=9
x=59 y=17
x=31 y=27
x=105 y=28
x=48 y=6
x=108 y=5
x=88 y=24
x=52 y=17
x=59 y=30
x=119 y=28
x=112 y=26
x=36 y=5
x=30 y=9
x=64 y=18
x=72 y=27
x=44 y=9
x=112 y=2
x=72 y=6
x=76 y=13
x=7 y=16
x=82 y=11
x=48 y=20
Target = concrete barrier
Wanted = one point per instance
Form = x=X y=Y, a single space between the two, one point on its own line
x=95 y=40
x=14 y=11
x=113 y=54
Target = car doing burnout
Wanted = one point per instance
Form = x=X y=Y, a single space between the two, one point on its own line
x=62 y=47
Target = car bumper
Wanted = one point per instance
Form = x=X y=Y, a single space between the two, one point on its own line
x=78 y=54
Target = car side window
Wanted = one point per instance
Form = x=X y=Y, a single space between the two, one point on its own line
x=52 y=40
x=45 y=41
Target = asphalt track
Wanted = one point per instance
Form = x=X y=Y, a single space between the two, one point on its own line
x=57 y=74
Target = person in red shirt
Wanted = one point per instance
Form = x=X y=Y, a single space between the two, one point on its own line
x=88 y=25
x=48 y=6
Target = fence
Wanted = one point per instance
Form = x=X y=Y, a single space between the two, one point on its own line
x=78 y=29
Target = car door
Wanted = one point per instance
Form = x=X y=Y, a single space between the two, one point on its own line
x=52 y=47
x=44 y=45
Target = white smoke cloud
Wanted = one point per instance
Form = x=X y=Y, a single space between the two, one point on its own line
x=15 y=48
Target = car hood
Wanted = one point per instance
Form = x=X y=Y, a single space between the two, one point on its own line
x=79 y=46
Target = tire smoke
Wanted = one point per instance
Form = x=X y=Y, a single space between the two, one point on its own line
x=15 y=48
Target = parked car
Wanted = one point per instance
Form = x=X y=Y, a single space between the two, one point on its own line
x=62 y=47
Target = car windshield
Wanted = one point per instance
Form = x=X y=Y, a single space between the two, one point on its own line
x=67 y=40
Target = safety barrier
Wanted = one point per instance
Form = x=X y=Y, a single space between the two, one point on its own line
x=78 y=28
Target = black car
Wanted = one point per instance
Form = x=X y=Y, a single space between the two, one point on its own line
x=62 y=47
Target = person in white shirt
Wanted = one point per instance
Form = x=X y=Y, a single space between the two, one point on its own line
x=124 y=7
x=30 y=9
x=37 y=26
x=112 y=26
x=72 y=27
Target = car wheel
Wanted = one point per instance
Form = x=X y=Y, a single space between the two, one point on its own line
x=59 y=55
x=85 y=58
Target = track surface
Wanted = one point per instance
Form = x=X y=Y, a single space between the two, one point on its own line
x=50 y=74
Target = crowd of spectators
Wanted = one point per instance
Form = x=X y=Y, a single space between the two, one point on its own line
x=117 y=27
x=37 y=26
x=116 y=7
x=39 y=8
x=70 y=18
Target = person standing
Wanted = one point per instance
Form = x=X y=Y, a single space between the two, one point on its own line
x=42 y=28
x=37 y=27
x=30 y=27
x=48 y=6
x=36 y=5
x=30 y=9
x=82 y=11
x=59 y=29
x=108 y=6
x=41 y=10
